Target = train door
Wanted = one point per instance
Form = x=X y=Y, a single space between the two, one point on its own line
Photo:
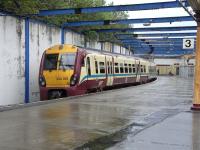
x=88 y=70
x=109 y=74
x=137 y=62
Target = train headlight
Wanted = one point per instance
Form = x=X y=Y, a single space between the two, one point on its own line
x=42 y=81
x=73 y=80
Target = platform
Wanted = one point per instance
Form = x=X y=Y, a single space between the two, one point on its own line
x=97 y=121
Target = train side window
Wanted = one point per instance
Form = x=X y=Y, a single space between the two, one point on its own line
x=121 y=68
x=126 y=68
x=133 y=66
x=130 y=69
x=88 y=66
x=141 y=68
x=108 y=67
x=111 y=67
x=116 y=68
x=96 y=67
x=102 y=67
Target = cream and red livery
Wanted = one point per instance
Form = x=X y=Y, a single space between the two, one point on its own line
x=68 y=70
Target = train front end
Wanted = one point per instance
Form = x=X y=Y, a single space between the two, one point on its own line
x=56 y=71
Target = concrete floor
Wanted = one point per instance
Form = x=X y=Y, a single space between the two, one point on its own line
x=91 y=121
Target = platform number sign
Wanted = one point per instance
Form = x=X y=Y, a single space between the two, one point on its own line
x=188 y=43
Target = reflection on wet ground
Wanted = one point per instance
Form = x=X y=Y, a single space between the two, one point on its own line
x=180 y=132
x=72 y=123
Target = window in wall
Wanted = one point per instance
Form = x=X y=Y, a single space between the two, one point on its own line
x=144 y=69
x=102 y=67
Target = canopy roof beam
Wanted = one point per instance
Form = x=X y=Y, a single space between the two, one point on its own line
x=133 y=7
x=128 y=21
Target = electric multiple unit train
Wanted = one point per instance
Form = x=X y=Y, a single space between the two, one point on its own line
x=68 y=70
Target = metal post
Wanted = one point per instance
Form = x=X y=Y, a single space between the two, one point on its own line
x=62 y=35
x=27 y=21
x=196 y=100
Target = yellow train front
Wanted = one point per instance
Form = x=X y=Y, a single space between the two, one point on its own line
x=68 y=70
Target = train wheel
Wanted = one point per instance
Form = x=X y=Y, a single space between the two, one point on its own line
x=55 y=95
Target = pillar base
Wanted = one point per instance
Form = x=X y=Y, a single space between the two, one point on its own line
x=196 y=107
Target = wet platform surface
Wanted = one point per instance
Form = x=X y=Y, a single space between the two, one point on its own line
x=90 y=121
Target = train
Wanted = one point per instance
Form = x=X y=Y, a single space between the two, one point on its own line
x=69 y=70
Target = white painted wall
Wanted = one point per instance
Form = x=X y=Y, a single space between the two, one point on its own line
x=12 y=52
x=12 y=60
x=167 y=61
x=74 y=38
x=41 y=37
x=117 y=49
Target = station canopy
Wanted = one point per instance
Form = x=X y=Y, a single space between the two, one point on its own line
x=162 y=33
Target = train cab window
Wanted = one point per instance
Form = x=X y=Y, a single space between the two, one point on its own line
x=121 y=68
x=116 y=68
x=126 y=68
x=133 y=66
x=130 y=68
x=88 y=66
x=102 y=67
x=50 y=62
x=96 y=67
x=67 y=61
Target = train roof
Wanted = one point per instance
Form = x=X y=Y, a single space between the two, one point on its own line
x=91 y=50
x=57 y=48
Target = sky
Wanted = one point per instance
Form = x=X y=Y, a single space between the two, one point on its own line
x=172 y=12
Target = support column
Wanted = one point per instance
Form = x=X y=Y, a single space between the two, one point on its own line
x=196 y=100
x=62 y=35
x=27 y=21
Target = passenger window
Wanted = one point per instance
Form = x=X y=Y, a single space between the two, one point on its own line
x=126 y=68
x=133 y=66
x=121 y=68
x=102 y=67
x=108 y=67
x=130 y=68
x=96 y=67
x=141 y=69
x=88 y=66
x=111 y=68
x=116 y=68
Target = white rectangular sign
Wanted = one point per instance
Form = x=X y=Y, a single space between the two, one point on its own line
x=188 y=43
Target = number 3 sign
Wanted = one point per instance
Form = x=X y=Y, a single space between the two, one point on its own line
x=188 y=43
